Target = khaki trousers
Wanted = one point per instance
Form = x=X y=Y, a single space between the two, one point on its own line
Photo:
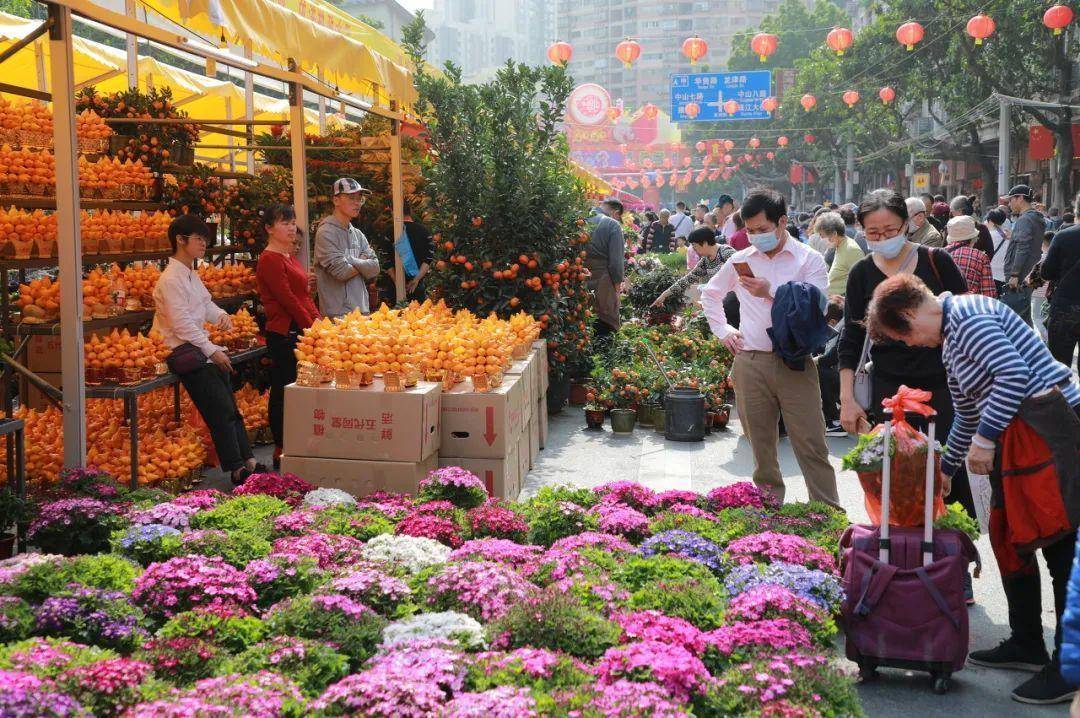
x=606 y=294
x=765 y=386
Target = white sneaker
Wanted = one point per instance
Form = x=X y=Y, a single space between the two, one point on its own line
x=833 y=428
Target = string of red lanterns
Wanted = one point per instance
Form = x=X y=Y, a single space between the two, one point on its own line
x=628 y=51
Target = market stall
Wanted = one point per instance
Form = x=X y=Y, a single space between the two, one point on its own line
x=111 y=221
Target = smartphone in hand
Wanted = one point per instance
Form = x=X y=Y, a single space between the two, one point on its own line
x=743 y=269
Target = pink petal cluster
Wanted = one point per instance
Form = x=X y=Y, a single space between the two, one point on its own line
x=330 y=550
x=491 y=519
x=772 y=601
x=621 y=520
x=768 y=547
x=769 y=635
x=631 y=699
x=499 y=551
x=108 y=677
x=486 y=591
x=672 y=666
x=202 y=499
x=741 y=494
x=290 y=488
x=452 y=476
x=628 y=492
x=675 y=497
x=501 y=702
x=185 y=582
x=656 y=626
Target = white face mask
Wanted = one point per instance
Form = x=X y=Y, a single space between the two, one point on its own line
x=890 y=247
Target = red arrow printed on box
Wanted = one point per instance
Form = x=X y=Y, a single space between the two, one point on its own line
x=489 y=435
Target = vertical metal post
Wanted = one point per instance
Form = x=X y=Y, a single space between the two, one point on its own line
x=849 y=181
x=249 y=110
x=69 y=246
x=131 y=45
x=836 y=182
x=911 y=175
x=39 y=66
x=299 y=162
x=398 y=195
x=322 y=108
x=1003 y=148
x=230 y=140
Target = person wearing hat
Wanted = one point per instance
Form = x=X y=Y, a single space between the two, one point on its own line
x=344 y=261
x=922 y=231
x=939 y=215
x=1023 y=252
x=972 y=263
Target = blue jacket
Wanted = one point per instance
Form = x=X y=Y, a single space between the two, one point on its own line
x=799 y=329
x=1070 y=628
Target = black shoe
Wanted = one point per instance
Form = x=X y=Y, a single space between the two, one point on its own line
x=1044 y=688
x=1010 y=654
x=260 y=469
x=969 y=591
x=277 y=464
x=833 y=428
x=241 y=475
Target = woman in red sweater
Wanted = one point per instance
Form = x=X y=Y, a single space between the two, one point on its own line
x=286 y=298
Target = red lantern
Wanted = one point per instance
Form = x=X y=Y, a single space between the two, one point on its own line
x=700 y=146
x=623 y=148
x=692 y=110
x=764 y=44
x=769 y=104
x=910 y=34
x=729 y=145
x=650 y=111
x=851 y=97
x=808 y=139
x=781 y=141
x=694 y=48
x=614 y=113
x=754 y=142
x=701 y=176
x=648 y=163
x=686 y=161
x=560 y=53
x=887 y=95
x=1058 y=18
x=628 y=50
x=770 y=156
x=839 y=39
x=731 y=107
x=667 y=163
x=727 y=159
x=981 y=27
x=659 y=180
x=808 y=101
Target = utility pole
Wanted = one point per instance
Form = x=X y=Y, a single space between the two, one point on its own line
x=911 y=175
x=849 y=185
x=1003 y=148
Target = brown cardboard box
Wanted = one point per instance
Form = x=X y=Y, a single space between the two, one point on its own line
x=526 y=369
x=524 y=460
x=482 y=425
x=30 y=397
x=43 y=352
x=361 y=478
x=367 y=424
x=534 y=439
x=502 y=477
x=540 y=345
x=542 y=406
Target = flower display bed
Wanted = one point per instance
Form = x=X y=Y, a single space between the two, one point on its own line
x=285 y=600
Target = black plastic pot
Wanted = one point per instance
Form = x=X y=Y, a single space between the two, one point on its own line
x=557 y=394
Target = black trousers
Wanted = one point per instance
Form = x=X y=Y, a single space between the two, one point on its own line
x=211 y=391
x=886 y=385
x=280 y=348
x=1063 y=333
x=1023 y=593
x=829 y=379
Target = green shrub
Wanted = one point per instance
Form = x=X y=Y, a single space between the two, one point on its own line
x=491 y=670
x=238 y=548
x=355 y=632
x=49 y=657
x=105 y=571
x=313 y=665
x=362 y=524
x=16 y=619
x=232 y=633
x=700 y=601
x=637 y=572
x=550 y=522
x=252 y=515
x=558 y=622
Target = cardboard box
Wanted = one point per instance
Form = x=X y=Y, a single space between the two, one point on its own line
x=540 y=345
x=368 y=424
x=30 y=397
x=502 y=477
x=43 y=352
x=526 y=369
x=542 y=405
x=361 y=478
x=534 y=440
x=482 y=425
x=524 y=460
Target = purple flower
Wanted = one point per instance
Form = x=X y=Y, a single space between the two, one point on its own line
x=67 y=511
x=501 y=702
x=203 y=499
x=497 y=550
x=23 y=695
x=335 y=602
x=821 y=588
x=186 y=582
x=170 y=513
x=687 y=545
x=630 y=699
x=330 y=550
x=622 y=520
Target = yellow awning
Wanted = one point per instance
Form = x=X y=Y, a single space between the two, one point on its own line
x=594 y=183
x=275 y=31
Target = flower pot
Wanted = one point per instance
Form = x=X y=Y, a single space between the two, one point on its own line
x=659 y=418
x=622 y=421
x=579 y=393
x=594 y=418
x=720 y=418
x=7 y=546
x=557 y=393
x=708 y=422
x=645 y=415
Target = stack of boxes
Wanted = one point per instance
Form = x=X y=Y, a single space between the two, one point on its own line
x=367 y=440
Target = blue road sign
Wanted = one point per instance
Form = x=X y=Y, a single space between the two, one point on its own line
x=710 y=90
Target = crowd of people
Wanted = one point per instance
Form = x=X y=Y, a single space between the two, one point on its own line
x=981 y=309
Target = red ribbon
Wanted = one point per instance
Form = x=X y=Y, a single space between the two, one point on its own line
x=907 y=399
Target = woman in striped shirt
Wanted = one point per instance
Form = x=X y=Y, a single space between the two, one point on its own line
x=711 y=256
x=1018 y=420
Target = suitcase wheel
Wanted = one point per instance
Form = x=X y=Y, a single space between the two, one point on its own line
x=941 y=684
x=868 y=671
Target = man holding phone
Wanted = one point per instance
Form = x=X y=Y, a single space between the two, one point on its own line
x=765 y=386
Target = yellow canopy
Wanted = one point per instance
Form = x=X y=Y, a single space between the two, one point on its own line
x=594 y=183
x=275 y=31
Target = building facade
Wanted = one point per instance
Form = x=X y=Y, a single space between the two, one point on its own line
x=481 y=35
x=391 y=14
x=595 y=27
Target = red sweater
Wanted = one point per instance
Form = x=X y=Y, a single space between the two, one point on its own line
x=283 y=289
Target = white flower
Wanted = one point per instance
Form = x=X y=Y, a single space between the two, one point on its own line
x=413 y=553
x=447 y=625
x=328 y=497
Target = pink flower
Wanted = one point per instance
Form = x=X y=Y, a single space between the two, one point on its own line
x=741 y=494
x=769 y=547
x=672 y=666
x=431 y=526
x=769 y=635
x=486 y=591
x=187 y=582
x=655 y=626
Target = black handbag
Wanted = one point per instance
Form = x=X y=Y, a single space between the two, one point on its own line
x=185 y=359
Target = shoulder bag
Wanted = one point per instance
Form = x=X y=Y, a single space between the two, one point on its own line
x=185 y=359
x=863 y=390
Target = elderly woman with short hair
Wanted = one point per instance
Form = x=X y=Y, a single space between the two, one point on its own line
x=1018 y=420
x=830 y=227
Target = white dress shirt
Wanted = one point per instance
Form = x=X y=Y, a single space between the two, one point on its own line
x=182 y=305
x=795 y=262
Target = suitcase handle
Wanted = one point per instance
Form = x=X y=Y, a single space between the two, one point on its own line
x=886 y=486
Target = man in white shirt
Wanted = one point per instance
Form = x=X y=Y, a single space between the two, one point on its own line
x=726 y=206
x=765 y=387
x=182 y=306
x=682 y=222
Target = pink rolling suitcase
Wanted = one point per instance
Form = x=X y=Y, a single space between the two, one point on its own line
x=904 y=591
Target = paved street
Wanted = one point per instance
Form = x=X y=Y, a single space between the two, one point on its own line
x=587 y=458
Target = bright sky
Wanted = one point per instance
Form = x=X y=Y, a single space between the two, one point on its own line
x=415 y=5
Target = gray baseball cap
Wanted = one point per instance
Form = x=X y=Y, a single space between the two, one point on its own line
x=347 y=185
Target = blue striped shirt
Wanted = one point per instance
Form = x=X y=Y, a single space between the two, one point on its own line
x=994 y=361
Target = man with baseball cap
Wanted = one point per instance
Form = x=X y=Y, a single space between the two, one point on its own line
x=344 y=261
x=1025 y=248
